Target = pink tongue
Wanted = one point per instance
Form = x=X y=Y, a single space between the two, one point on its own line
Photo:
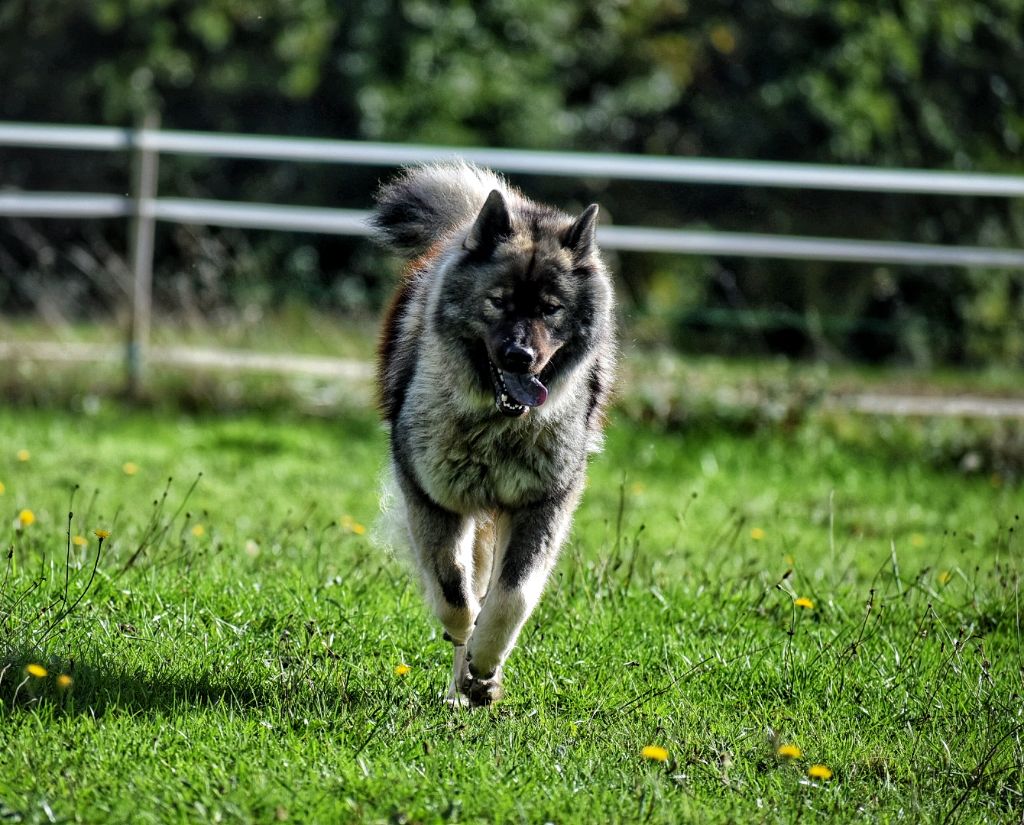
x=525 y=389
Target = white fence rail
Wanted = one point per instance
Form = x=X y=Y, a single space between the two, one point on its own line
x=145 y=208
x=564 y=164
x=629 y=238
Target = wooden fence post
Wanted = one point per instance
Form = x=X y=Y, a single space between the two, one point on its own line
x=145 y=163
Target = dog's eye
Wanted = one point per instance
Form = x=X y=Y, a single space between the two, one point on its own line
x=497 y=301
x=550 y=309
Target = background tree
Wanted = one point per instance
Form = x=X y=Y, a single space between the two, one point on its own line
x=934 y=85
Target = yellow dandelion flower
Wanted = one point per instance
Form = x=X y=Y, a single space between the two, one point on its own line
x=26 y=518
x=79 y=541
x=24 y=455
x=102 y=534
x=198 y=531
x=789 y=752
x=945 y=577
x=401 y=670
x=916 y=540
x=2 y=488
x=655 y=753
x=819 y=772
x=637 y=487
x=789 y=559
x=350 y=525
x=36 y=670
x=64 y=681
x=129 y=468
x=804 y=602
x=757 y=534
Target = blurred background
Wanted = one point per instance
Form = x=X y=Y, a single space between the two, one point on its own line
x=930 y=86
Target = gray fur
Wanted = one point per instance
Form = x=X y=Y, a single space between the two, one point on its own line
x=489 y=479
x=426 y=203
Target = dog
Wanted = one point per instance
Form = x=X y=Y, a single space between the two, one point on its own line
x=495 y=364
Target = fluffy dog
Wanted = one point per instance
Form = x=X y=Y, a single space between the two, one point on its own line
x=495 y=363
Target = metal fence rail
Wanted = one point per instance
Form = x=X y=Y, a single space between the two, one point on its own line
x=624 y=238
x=63 y=205
x=532 y=162
x=148 y=143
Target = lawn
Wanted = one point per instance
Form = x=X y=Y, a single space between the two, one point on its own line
x=234 y=652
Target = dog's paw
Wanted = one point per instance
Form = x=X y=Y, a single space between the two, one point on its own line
x=456 y=702
x=482 y=691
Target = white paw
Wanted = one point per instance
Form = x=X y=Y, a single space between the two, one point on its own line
x=482 y=692
x=456 y=702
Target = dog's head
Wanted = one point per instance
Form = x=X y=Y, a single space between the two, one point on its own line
x=522 y=296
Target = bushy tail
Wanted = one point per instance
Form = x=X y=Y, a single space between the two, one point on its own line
x=427 y=202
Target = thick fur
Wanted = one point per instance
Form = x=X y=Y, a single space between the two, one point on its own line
x=500 y=293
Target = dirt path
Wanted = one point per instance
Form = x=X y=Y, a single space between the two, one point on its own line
x=871 y=403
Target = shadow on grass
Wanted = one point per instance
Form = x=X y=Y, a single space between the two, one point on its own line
x=95 y=689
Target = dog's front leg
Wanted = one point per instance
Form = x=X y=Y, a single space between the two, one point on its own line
x=442 y=544
x=532 y=537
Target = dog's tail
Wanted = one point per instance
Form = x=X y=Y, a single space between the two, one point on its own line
x=427 y=202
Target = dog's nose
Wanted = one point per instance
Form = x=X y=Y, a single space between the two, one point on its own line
x=516 y=358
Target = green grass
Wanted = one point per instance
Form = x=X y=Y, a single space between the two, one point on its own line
x=248 y=673
x=291 y=329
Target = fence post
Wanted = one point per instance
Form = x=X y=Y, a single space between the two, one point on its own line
x=145 y=162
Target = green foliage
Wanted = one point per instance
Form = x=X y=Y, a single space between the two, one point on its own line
x=114 y=60
x=245 y=671
x=993 y=311
x=934 y=85
x=917 y=85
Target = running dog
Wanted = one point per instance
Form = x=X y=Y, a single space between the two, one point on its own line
x=495 y=362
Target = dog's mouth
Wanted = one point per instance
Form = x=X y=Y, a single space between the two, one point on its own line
x=515 y=393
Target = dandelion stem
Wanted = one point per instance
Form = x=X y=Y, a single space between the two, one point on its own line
x=619 y=515
x=67 y=610
x=979 y=771
x=152 y=536
x=67 y=555
x=7 y=571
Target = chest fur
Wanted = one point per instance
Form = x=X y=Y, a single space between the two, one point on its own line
x=472 y=463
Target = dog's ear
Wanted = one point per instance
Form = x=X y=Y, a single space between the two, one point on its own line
x=580 y=237
x=492 y=224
